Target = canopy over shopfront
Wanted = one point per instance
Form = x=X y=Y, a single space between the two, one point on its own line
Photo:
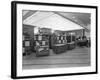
x=51 y=20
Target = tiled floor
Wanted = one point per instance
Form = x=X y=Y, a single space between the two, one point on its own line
x=72 y=58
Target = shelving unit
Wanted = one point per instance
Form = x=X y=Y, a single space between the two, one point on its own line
x=60 y=45
x=71 y=41
x=26 y=45
x=41 y=45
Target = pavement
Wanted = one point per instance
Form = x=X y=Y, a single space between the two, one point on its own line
x=78 y=57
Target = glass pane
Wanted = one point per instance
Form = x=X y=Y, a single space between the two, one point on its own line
x=68 y=39
x=73 y=38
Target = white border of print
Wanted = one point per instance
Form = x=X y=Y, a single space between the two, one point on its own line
x=36 y=72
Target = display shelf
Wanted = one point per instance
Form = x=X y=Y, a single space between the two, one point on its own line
x=41 y=45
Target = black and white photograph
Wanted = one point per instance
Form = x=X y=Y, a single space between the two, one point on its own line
x=53 y=39
x=56 y=39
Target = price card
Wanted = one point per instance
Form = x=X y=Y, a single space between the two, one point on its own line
x=27 y=43
x=63 y=41
x=59 y=41
x=61 y=37
x=43 y=42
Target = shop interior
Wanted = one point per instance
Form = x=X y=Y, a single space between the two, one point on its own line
x=43 y=42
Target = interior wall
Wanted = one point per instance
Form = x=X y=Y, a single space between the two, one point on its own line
x=29 y=30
